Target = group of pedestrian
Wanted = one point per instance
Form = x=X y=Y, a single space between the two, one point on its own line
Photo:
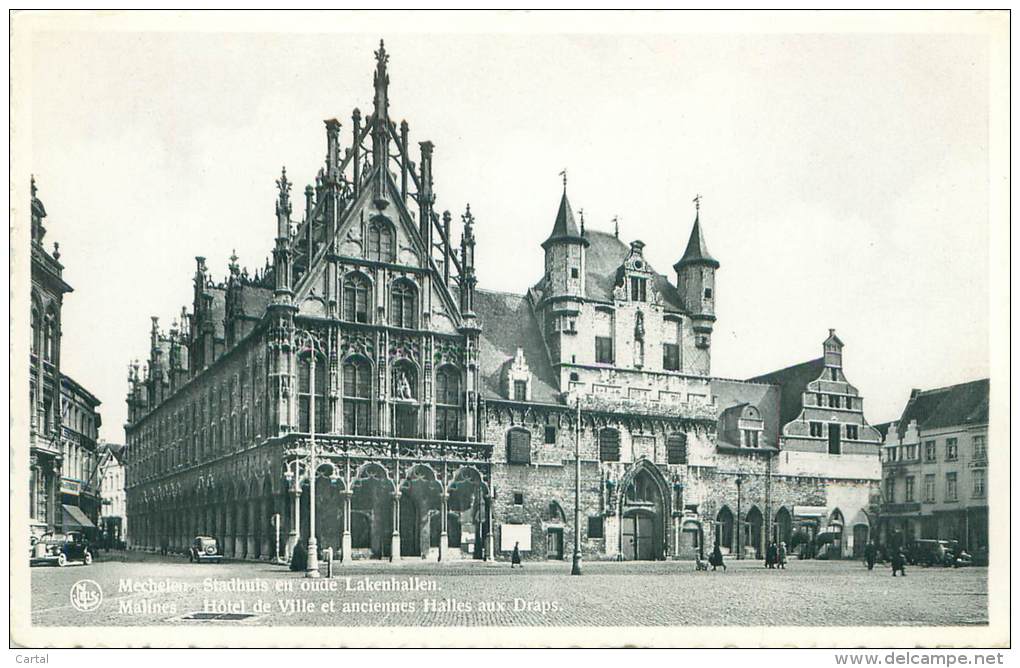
x=775 y=555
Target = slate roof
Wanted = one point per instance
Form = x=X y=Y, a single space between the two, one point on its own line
x=604 y=256
x=792 y=381
x=255 y=299
x=956 y=405
x=565 y=227
x=508 y=323
x=883 y=428
x=117 y=450
x=766 y=398
x=697 y=251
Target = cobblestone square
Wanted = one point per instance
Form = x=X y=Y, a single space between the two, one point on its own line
x=142 y=589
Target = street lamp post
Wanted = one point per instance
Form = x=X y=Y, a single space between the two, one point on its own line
x=740 y=523
x=575 y=568
x=311 y=344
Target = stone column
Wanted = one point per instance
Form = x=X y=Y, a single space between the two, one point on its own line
x=489 y=543
x=676 y=536
x=239 y=529
x=345 y=537
x=395 y=539
x=295 y=523
x=265 y=529
x=444 y=538
x=228 y=531
x=250 y=533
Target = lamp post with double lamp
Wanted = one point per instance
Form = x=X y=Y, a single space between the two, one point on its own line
x=308 y=343
x=575 y=567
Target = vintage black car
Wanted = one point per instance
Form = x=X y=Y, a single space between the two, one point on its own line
x=928 y=552
x=204 y=548
x=61 y=549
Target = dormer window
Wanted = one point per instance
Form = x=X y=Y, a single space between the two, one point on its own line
x=638 y=289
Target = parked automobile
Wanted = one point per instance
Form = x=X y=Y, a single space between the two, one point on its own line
x=61 y=549
x=928 y=552
x=204 y=548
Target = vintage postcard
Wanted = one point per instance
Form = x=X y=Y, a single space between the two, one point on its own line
x=509 y=329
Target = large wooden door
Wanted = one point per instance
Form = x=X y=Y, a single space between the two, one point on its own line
x=554 y=544
x=639 y=537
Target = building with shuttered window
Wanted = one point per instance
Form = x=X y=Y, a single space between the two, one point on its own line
x=446 y=418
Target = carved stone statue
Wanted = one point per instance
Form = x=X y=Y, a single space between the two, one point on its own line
x=404 y=386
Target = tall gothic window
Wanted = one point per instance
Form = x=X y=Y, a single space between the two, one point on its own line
x=35 y=331
x=50 y=336
x=357 y=393
x=448 y=404
x=380 y=241
x=403 y=304
x=305 y=392
x=356 y=298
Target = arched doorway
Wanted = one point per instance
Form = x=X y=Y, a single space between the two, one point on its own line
x=642 y=514
x=372 y=512
x=783 y=527
x=753 y=528
x=835 y=528
x=724 y=530
x=419 y=501
x=467 y=512
x=861 y=536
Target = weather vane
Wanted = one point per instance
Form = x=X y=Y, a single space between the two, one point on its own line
x=697 y=202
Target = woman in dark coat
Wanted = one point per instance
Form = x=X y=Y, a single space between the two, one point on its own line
x=899 y=563
x=515 y=557
x=716 y=558
x=771 y=556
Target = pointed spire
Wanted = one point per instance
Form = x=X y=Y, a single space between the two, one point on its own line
x=565 y=227
x=697 y=250
x=382 y=82
x=233 y=266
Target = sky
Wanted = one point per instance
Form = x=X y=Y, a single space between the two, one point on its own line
x=844 y=177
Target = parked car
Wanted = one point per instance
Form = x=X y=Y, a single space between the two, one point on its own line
x=61 y=549
x=927 y=552
x=204 y=548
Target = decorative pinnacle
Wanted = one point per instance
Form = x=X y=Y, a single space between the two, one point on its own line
x=467 y=218
x=381 y=56
x=616 y=226
x=284 y=186
x=580 y=213
x=34 y=189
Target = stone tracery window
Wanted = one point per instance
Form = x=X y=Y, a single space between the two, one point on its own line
x=403 y=304
x=356 y=298
x=305 y=392
x=448 y=404
x=357 y=392
x=380 y=241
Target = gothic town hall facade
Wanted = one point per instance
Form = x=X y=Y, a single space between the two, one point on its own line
x=444 y=418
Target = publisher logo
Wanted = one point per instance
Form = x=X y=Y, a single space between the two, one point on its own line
x=86 y=595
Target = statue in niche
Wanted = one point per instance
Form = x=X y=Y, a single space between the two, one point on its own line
x=639 y=340
x=404 y=386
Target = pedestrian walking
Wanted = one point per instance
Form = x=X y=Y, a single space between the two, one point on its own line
x=716 y=559
x=899 y=563
x=870 y=553
x=781 y=555
x=164 y=545
x=515 y=556
x=771 y=556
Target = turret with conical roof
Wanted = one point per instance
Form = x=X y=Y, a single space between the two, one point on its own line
x=564 y=255
x=695 y=279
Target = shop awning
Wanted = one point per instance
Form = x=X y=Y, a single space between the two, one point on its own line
x=74 y=518
x=809 y=511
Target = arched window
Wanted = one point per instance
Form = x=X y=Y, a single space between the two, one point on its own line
x=518 y=446
x=50 y=336
x=403 y=304
x=35 y=330
x=357 y=392
x=609 y=445
x=304 y=392
x=356 y=299
x=448 y=404
x=380 y=241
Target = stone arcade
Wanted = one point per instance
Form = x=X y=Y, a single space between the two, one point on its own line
x=446 y=417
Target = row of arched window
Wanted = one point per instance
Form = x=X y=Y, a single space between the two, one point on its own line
x=44 y=332
x=356 y=296
x=356 y=398
x=518 y=446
